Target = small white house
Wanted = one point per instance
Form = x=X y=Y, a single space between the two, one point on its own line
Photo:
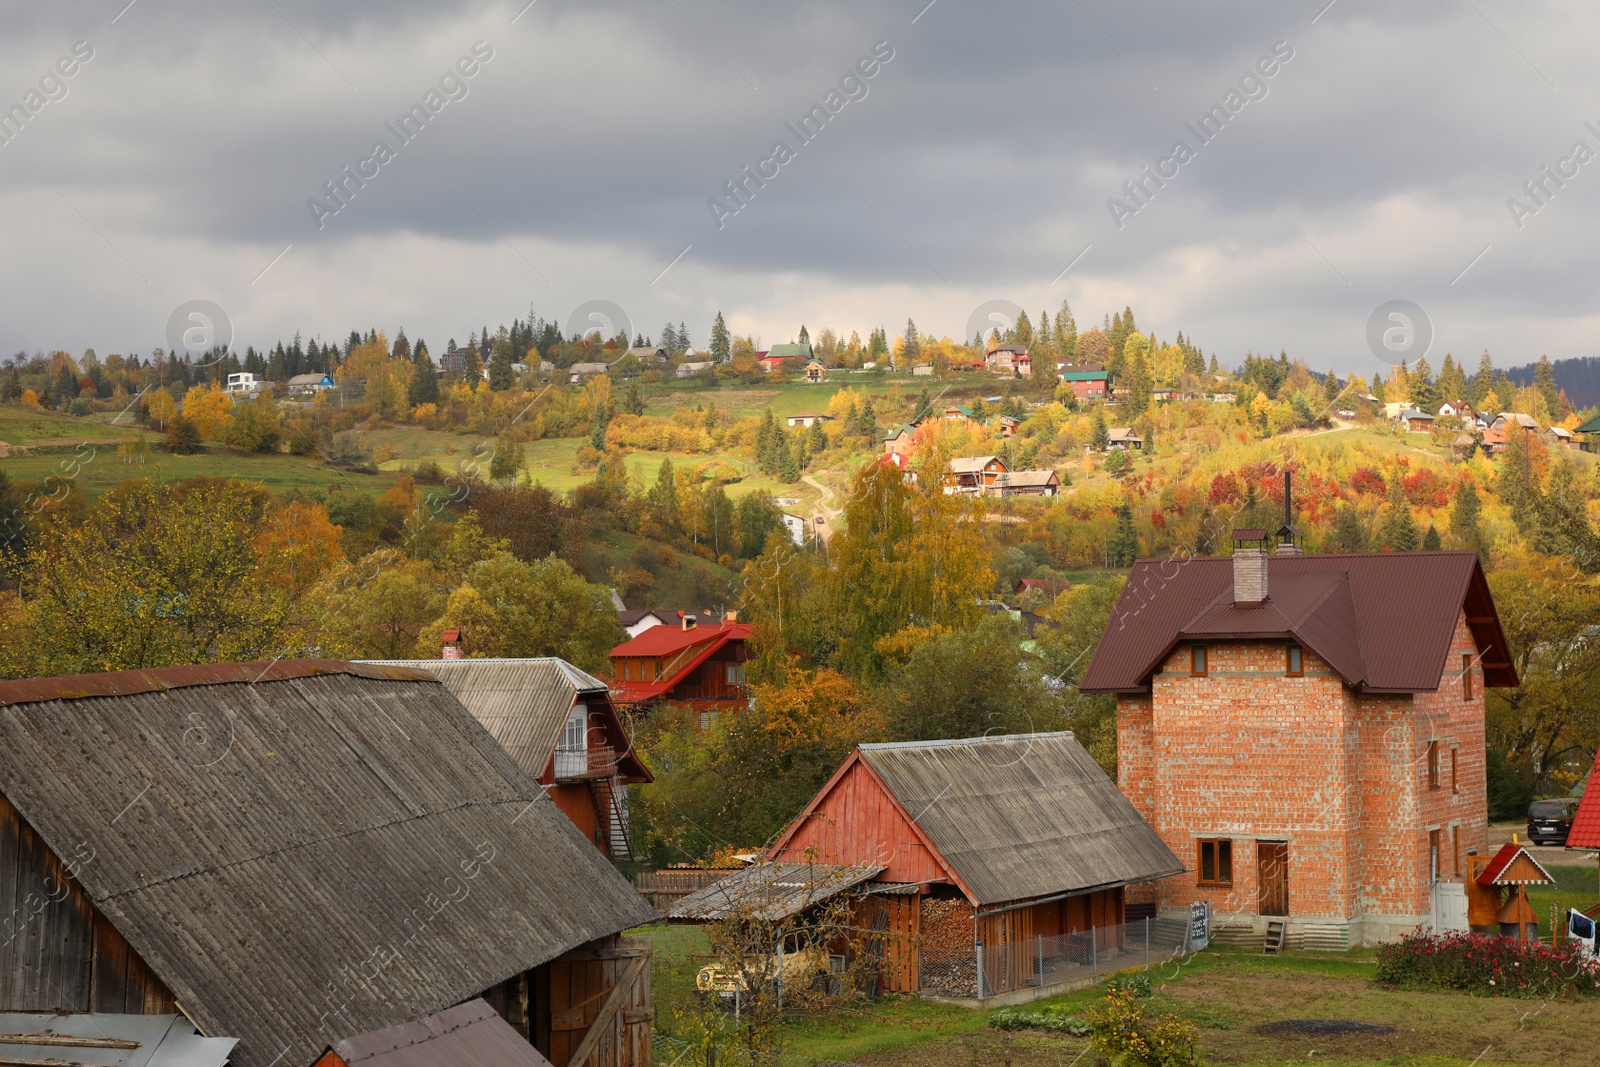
x=310 y=384
x=807 y=418
x=244 y=384
x=796 y=527
x=689 y=370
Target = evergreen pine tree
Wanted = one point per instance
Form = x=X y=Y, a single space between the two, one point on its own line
x=633 y=403
x=1544 y=381
x=913 y=346
x=869 y=421
x=424 y=387
x=1124 y=547
x=1482 y=382
x=805 y=337
x=711 y=419
x=819 y=438
x=1349 y=533
x=720 y=342
x=683 y=339
x=1430 y=540
x=1399 y=532
x=501 y=376
x=1099 y=436
x=1465 y=517
x=1331 y=387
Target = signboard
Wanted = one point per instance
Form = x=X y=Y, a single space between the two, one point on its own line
x=1199 y=925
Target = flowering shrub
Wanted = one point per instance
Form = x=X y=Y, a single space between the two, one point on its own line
x=1487 y=964
x=1122 y=1034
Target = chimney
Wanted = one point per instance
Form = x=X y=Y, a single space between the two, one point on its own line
x=1249 y=566
x=1288 y=545
x=732 y=616
x=452 y=644
x=688 y=620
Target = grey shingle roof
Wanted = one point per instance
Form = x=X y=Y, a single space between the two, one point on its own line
x=1022 y=815
x=327 y=851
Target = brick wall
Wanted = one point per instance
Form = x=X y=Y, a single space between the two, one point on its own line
x=1249 y=754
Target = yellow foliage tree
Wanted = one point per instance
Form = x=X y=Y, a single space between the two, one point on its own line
x=209 y=409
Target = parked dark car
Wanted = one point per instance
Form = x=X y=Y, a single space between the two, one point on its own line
x=1549 y=821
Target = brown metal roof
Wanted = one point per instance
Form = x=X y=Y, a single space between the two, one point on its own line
x=467 y=1035
x=299 y=860
x=1383 y=621
x=159 y=679
x=1021 y=815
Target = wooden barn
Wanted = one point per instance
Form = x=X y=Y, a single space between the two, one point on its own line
x=992 y=855
x=298 y=853
x=559 y=724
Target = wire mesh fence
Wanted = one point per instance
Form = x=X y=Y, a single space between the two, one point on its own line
x=988 y=970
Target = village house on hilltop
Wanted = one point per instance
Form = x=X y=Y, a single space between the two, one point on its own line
x=1307 y=733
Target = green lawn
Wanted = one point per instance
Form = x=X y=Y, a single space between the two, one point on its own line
x=94 y=468
x=1227 y=994
x=22 y=426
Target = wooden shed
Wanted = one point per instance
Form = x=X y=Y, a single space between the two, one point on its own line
x=296 y=853
x=989 y=848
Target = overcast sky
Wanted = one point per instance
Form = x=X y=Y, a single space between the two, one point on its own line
x=577 y=161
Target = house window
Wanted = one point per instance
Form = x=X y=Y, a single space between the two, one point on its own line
x=1433 y=855
x=1433 y=765
x=572 y=750
x=735 y=674
x=658 y=669
x=1216 y=861
x=1294 y=661
x=1466 y=676
x=1455 y=786
x=1197 y=660
x=1455 y=847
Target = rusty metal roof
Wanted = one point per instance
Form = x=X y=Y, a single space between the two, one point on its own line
x=771 y=892
x=331 y=850
x=467 y=1035
x=1021 y=815
x=1383 y=621
x=160 y=679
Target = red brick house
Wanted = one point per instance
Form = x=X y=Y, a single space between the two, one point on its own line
x=1307 y=732
x=701 y=666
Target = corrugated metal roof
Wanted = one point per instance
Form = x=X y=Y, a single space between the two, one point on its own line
x=670 y=639
x=146 y=1040
x=306 y=859
x=467 y=1035
x=771 y=892
x=524 y=703
x=1021 y=815
x=1384 y=621
x=159 y=679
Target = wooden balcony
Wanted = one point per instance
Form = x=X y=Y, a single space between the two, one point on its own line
x=580 y=765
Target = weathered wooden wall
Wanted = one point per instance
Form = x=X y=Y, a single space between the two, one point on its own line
x=859 y=822
x=57 y=953
x=575 y=992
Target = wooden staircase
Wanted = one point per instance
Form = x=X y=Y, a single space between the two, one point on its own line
x=611 y=810
x=1277 y=931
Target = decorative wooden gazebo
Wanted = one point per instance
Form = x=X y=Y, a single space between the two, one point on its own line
x=1497 y=892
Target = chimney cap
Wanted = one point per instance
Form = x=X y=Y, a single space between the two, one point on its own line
x=450 y=637
x=1250 y=534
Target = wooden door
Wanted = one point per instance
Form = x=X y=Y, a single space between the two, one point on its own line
x=1272 y=875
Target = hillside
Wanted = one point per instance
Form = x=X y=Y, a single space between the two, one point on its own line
x=1579 y=377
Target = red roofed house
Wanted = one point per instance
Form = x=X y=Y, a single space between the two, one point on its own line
x=702 y=666
x=1307 y=733
x=1585 y=830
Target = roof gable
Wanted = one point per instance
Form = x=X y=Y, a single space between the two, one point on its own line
x=1017 y=816
x=363 y=802
x=1514 y=865
x=1389 y=629
x=525 y=703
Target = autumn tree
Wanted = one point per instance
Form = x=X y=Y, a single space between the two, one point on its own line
x=154 y=576
x=373 y=608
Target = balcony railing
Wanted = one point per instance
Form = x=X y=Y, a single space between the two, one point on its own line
x=576 y=764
